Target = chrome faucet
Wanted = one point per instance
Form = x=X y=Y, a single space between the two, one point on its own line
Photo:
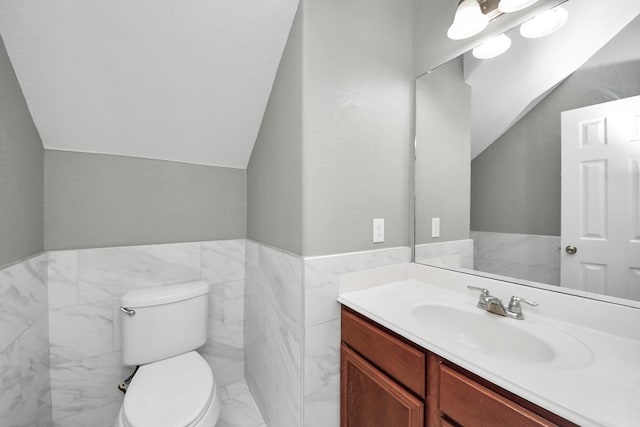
x=494 y=305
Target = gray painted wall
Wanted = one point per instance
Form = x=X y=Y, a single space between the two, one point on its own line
x=515 y=182
x=358 y=89
x=21 y=171
x=274 y=173
x=333 y=150
x=97 y=200
x=443 y=147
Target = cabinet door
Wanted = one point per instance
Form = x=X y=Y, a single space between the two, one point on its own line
x=371 y=399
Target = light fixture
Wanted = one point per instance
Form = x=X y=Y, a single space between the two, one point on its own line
x=468 y=20
x=492 y=47
x=545 y=23
x=508 y=6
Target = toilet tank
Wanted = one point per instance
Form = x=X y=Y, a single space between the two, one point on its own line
x=163 y=321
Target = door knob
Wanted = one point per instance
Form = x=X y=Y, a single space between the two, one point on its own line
x=571 y=249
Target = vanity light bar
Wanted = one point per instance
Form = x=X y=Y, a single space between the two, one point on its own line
x=473 y=16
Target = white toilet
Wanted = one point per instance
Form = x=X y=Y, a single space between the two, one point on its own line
x=174 y=386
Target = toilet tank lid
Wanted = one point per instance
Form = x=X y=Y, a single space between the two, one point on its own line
x=164 y=294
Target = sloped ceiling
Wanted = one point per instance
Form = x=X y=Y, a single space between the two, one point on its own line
x=173 y=80
x=513 y=83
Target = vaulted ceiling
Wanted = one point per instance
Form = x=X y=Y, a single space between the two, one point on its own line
x=173 y=80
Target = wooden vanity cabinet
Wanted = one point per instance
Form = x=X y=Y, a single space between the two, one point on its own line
x=387 y=381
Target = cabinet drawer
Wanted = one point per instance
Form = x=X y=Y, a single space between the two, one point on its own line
x=399 y=360
x=469 y=403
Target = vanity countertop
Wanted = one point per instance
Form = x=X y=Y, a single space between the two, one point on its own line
x=592 y=380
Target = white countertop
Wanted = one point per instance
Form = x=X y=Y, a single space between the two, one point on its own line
x=594 y=380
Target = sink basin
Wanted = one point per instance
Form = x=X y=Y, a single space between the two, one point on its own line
x=509 y=339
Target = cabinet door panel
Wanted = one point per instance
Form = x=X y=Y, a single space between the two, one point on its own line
x=472 y=404
x=399 y=360
x=371 y=399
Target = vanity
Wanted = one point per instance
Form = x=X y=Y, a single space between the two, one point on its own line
x=417 y=351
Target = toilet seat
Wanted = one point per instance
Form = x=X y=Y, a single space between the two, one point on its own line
x=169 y=393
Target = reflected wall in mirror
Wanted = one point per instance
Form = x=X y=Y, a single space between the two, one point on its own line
x=522 y=157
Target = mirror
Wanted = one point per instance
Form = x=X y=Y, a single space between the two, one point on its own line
x=528 y=164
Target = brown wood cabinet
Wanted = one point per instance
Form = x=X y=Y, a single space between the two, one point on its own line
x=387 y=381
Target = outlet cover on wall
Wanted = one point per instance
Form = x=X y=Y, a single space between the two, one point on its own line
x=378 y=230
x=435 y=227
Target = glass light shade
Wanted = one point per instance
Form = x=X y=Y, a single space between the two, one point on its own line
x=508 y=6
x=468 y=21
x=545 y=23
x=493 y=47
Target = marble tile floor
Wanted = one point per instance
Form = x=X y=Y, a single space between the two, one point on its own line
x=238 y=407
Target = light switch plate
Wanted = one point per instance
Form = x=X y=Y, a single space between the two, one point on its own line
x=435 y=227
x=378 y=230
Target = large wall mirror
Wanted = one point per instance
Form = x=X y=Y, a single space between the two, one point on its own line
x=528 y=164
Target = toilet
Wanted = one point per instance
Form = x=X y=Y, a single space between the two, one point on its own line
x=174 y=386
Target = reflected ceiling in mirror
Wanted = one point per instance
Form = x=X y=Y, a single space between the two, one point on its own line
x=490 y=197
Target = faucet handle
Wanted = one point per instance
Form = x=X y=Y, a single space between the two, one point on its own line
x=482 y=299
x=515 y=309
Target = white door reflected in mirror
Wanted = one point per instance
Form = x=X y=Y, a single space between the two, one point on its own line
x=600 y=198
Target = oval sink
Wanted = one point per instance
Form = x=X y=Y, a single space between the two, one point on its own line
x=502 y=337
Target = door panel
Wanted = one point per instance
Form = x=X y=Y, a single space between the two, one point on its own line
x=601 y=197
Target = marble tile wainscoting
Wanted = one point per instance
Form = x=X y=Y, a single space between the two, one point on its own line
x=25 y=399
x=322 y=328
x=452 y=254
x=60 y=350
x=273 y=333
x=523 y=256
x=84 y=319
x=292 y=334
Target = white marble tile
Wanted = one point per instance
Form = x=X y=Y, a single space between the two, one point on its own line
x=81 y=331
x=322 y=375
x=224 y=349
x=24 y=344
x=24 y=379
x=83 y=386
x=106 y=274
x=103 y=416
x=63 y=278
x=233 y=290
x=116 y=315
x=23 y=297
x=227 y=363
x=12 y=406
x=239 y=409
x=321 y=278
x=526 y=257
x=234 y=303
x=273 y=333
x=502 y=268
x=453 y=254
x=514 y=248
x=223 y=261
x=35 y=371
x=216 y=302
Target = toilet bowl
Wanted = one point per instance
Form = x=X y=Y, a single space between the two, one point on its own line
x=175 y=392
